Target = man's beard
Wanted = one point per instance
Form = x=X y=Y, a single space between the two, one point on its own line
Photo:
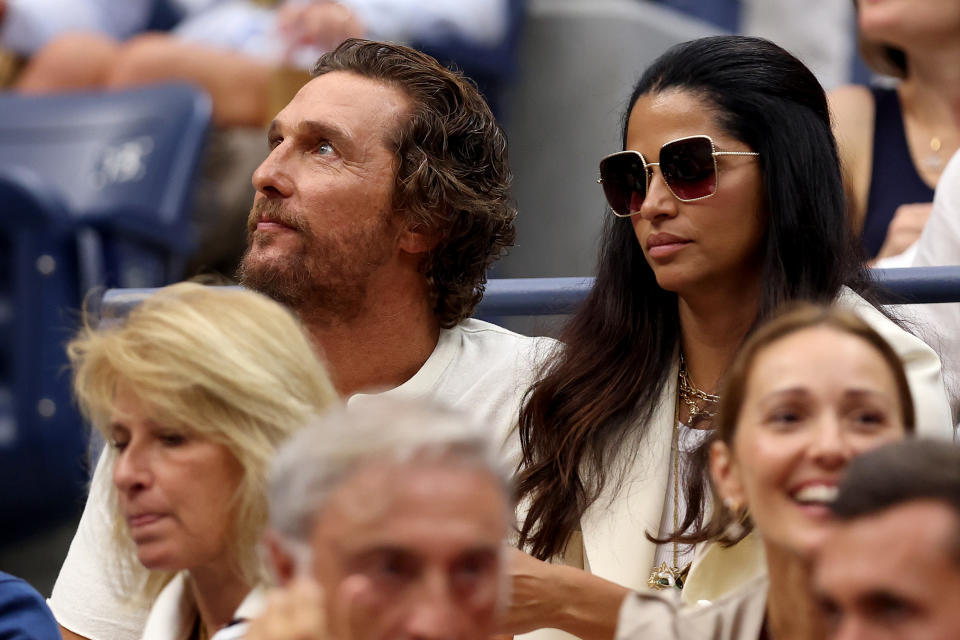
x=324 y=279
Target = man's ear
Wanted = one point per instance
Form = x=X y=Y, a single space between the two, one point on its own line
x=726 y=476
x=416 y=241
x=281 y=563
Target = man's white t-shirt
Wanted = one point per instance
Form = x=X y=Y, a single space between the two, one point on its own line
x=477 y=367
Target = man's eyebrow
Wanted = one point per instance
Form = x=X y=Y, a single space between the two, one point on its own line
x=324 y=130
x=315 y=130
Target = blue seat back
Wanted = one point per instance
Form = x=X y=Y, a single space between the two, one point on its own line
x=94 y=190
x=119 y=159
x=41 y=439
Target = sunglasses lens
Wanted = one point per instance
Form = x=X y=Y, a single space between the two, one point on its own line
x=624 y=182
x=689 y=168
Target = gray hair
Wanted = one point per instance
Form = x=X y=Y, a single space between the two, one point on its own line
x=333 y=446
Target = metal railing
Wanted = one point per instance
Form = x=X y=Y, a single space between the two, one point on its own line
x=548 y=296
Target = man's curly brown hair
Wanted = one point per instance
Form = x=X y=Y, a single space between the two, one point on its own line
x=453 y=177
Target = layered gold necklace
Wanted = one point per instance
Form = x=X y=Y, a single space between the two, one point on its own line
x=700 y=406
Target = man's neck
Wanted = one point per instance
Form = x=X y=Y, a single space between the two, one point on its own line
x=379 y=349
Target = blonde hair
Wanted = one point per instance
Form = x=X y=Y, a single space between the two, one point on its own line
x=226 y=364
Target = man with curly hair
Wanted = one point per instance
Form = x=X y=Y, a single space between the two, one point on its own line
x=385 y=197
x=383 y=200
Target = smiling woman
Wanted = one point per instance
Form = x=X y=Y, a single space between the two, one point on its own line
x=809 y=391
x=194 y=392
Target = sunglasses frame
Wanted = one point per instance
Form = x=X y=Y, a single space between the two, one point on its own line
x=714 y=152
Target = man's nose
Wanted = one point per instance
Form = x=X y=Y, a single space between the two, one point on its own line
x=272 y=178
x=433 y=613
x=851 y=629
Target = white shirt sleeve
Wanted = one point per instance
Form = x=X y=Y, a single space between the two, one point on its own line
x=29 y=24
x=939 y=245
x=481 y=21
x=84 y=600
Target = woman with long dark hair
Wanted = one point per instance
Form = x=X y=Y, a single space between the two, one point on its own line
x=727 y=202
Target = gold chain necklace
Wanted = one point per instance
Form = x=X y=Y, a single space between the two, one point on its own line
x=689 y=394
x=665 y=577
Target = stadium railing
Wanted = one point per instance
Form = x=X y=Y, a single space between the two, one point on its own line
x=550 y=296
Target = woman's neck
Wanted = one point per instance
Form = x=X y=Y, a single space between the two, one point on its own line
x=931 y=92
x=218 y=592
x=792 y=610
x=711 y=332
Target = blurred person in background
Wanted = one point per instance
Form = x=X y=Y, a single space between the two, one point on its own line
x=23 y=613
x=891 y=567
x=193 y=393
x=387 y=521
x=811 y=389
x=238 y=50
x=895 y=142
x=251 y=56
x=727 y=202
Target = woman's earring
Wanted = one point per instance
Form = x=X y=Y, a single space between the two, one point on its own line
x=737 y=528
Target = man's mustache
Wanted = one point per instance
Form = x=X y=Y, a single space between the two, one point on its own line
x=267 y=210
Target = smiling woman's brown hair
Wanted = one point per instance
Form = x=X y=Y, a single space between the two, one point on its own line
x=793 y=318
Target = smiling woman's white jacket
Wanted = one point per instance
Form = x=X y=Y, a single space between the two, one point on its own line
x=611 y=541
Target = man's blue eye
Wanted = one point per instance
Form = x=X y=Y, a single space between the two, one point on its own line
x=324 y=148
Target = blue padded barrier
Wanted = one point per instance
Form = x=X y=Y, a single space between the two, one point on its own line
x=546 y=296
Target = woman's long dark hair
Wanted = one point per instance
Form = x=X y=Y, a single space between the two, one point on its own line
x=608 y=380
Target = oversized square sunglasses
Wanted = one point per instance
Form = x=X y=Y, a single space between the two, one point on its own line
x=688 y=166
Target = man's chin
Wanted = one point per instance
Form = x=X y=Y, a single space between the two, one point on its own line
x=277 y=279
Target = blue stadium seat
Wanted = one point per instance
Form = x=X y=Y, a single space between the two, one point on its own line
x=124 y=162
x=41 y=438
x=94 y=190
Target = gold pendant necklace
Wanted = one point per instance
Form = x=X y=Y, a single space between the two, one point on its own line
x=933 y=160
x=665 y=577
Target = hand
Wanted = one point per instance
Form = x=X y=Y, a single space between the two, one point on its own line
x=533 y=598
x=292 y=613
x=905 y=227
x=559 y=597
x=323 y=24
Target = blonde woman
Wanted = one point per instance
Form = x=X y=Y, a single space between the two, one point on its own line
x=193 y=393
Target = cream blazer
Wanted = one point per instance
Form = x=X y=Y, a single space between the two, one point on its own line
x=612 y=544
x=739 y=615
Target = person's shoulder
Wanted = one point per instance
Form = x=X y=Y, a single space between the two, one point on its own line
x=23 y=613
x=852 y=113
x=12 y=586
x=747 y=604
x=483 y=330
x=850 y=102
